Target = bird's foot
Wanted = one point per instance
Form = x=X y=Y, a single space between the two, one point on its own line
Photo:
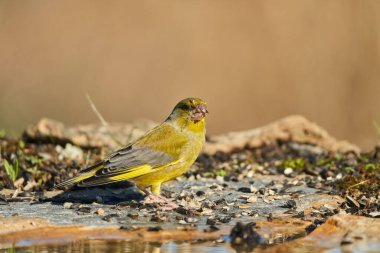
x=164 y=203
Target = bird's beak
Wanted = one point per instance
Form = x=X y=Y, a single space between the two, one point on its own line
x=202 y=109
x=199 y=112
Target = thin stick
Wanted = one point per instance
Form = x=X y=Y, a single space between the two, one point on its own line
x=102 y=120
x=360 y=183
x=95 y=110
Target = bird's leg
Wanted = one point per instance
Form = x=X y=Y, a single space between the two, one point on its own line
x=154 y=196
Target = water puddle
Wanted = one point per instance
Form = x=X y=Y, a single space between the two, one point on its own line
x=85 y=246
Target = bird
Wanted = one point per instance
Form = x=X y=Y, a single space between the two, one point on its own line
x=160 y=155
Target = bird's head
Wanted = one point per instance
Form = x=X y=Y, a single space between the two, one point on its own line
x=190 y=109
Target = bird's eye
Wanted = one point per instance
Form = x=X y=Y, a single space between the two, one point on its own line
x=185 y=107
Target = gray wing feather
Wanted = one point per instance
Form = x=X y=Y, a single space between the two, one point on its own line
x=130 y=157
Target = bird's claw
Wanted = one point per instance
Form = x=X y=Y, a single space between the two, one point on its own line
x=165 y=204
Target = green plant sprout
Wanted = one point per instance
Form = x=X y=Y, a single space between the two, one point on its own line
x=12 y=170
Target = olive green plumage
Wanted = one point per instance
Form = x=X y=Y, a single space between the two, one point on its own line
x=162 y=154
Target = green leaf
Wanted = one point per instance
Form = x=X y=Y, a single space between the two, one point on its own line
x=11 y=170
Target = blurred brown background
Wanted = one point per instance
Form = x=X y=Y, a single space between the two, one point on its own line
x=253 y=61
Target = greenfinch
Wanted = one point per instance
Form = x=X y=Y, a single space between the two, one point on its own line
x=162 y=154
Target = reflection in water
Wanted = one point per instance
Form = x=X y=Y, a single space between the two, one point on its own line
x=119 y=246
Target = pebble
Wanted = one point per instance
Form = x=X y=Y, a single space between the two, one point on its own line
x=84 y=209
x=67 y=205
x=191 y=219
x=288 y=171
x=100 y=212
x=211 y=221
x=252 y=199
x=244 y=189
x=154 y=229
x=110 y=216
x=200 y=193
x=133 y=216
x=374 y=214
x=244 y=206
x=352 y=202
x=224 y=219
x=158 y=218
x=291 y=204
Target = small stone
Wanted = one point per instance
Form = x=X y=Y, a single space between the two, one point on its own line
x=288 y=171
x=110 y=216
x=129 y=228
x=183 y=211
x=84 y=209
x=190 y=219
x=224 y=219
x=67 y=205
x=291 y=204
x=374 y=214
x=211 y=222
x=200 y=193
x=100 y=212
x=244 y=206
x=253 y=189
x=220 y=240
x=158 y=218
x=133 y=216
x=252 y=199
x=154 y=229
x=244 y=189
x=352 y=202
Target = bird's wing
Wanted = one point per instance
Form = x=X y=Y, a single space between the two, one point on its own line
x=158 y=149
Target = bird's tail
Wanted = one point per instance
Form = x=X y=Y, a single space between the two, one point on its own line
x=89 y=172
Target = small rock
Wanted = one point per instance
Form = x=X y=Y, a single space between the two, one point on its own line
x=252 y=199
x=291 y=204
x=130 y=228
x=183 y=211
x=224 y=219
x=244 y=189
x=288 y=171
x=244 y=206
x=69 y=152
x=67 y=205
x=154 y=229
x=110 y=216
x=133 y=216
x=352 y=202
x=84 y=209
x=200 y=193
x=190 y=219
x=158 y=218
x=211 y=221
x=374 y=214
x=100 y=212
